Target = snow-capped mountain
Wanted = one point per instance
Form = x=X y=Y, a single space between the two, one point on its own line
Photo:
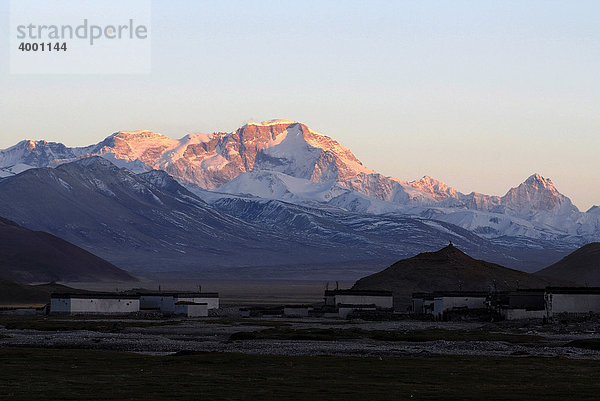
x=149 y=222
x=536 y=195
x=286 y=160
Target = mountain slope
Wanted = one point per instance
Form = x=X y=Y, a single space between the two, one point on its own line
x=448 y=269
x=149 y=222
x=34 y=256
x=536 y=194
x=139 y=221
x=286 y=160
x=581 y=266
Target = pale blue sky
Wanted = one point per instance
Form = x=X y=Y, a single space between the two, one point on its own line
x=478 y=94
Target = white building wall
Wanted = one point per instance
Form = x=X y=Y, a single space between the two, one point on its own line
x=94 y=305
x=379 y=301
x=443 y=304
x=167 y=304
x=573 y=303
x=152 y=301
x=60 y=305
x=191 y=310
x=422 y=305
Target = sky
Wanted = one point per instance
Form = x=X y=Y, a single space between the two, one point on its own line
x=477 y=94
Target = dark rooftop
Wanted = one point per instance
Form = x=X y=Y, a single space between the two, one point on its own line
x=359 y=293
x=96 y=295
x=479 y=294
x=181 y=294
x=534 y=290
x=355 y=306
x=422 y=295
x=573 y=290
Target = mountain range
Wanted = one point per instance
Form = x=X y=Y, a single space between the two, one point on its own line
x=149 y=222
x=269 y=193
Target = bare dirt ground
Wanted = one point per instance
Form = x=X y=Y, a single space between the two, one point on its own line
x=159 y=337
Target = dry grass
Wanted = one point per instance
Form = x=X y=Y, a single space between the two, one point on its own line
x=61 y=374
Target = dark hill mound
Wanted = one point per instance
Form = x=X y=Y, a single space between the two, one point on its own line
x=22 y=294
x=448 y=269
x=581 y=266
x=35 y=256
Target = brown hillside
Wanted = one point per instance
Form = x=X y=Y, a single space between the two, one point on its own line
x=581 y=266
x=35 y=256
x=448 y=269
x=22 y=294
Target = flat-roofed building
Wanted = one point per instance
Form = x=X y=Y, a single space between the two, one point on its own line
x=94 y=303
x=191 y=309
x=422 y=303
x=524 y=304
x=346 y=309
x=211 y=299
x=165 y=301
x=577 y=300
x=457 y=300
x=154 y=301
x=297 y=310
x=381 y=299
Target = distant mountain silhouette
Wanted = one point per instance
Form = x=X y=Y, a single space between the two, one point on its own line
x=581 y=266
x=16 y=294
x=448 y=269
x=35 y=256
x=148 y=222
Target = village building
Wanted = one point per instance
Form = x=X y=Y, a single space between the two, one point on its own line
x=341 y=303
x=165 y=301
x=447 y=301
x=575 y=300
x=523 y=304
x=422 y=303
x=381 y=299
x=260 y=311
x=343 y=310
x=191 y=309
x=211 y=299
x=154 y=301
x=297 y=310
x=94 y=303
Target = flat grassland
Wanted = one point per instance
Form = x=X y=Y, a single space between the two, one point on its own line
x=67 y=374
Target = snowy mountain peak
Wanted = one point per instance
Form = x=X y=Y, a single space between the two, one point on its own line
x=436 y=189
x=31 y=144
x=273 y=122
x=286 y=160
x=142 y=144
x=539 y=181
x=535 y=195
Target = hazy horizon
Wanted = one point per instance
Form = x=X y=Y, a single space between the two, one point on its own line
x=477 y=95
